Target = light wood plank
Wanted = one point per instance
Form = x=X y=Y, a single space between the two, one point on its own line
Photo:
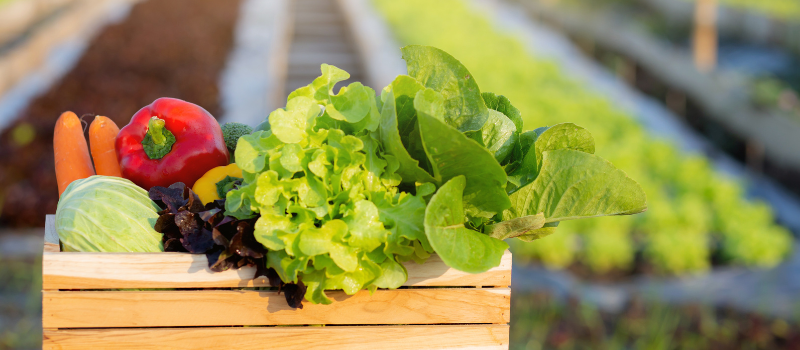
x=460 y=337
x=181 y=270
x=434 y=272
x=233 y=308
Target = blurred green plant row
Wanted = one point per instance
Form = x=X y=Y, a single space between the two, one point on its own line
x=694 y=211
x=20 y=303
x=781 y=9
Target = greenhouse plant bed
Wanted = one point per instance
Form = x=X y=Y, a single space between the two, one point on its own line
x=85 y=306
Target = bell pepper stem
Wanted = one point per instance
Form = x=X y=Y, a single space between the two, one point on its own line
x=158 y=140
x=156 y=130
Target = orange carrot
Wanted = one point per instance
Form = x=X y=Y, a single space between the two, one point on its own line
x=102 y=136
x=72 y=154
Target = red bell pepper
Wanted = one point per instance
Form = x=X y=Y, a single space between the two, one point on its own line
x=170 y=141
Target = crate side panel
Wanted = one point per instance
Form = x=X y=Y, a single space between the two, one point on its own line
x=181 y=270
x=285 y=338
x=50 y=236
x=86 y=309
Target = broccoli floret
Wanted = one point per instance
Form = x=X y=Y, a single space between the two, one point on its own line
x=232 y=132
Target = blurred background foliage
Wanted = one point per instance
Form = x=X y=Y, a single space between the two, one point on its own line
x=785 y=9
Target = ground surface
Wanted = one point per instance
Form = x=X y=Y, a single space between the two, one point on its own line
x=164 y=48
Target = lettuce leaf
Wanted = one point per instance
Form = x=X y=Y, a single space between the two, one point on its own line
x=503 y=105
x=574 y=185
x=499 y=135
x=458 y=246
x=437 y=70
x=453 y=154
x=409 y=170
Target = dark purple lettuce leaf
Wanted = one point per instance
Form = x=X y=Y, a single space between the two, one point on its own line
x=174 y=245
x=228 y=243
x=171 y=198
x=294 y=294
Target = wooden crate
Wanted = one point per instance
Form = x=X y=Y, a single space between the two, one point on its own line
x=83 y=307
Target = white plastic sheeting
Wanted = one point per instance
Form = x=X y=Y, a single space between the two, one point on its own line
x=251 y=84
x=378 y=49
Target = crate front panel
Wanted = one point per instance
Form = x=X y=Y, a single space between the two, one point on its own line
x=286 y=338
x=427 y=315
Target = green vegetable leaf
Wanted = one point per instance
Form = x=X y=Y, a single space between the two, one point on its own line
x=430 y=102
x=516 y=227
x=404 y=220
x=548 y=229
x=563 y=136
x=436 y=69
x=253 y=150
x=227 y=184
x=560 y=136
x=501 y=104
x=459 y=247
x=351 y=104
x=452 y=154
x=499 y=135
x=573 y=185
x=322 y=87
x=390 y=137
x=271 y=230
x=290 y=125
x=393 y=275
x=239 y=202
x=366 y=230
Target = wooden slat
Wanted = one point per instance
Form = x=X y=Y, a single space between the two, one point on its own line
x=434 y=272
x=181 y=270
x=493 y=337
x=233 y=308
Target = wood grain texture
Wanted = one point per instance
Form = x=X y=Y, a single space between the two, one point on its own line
x=180 y=270
x=92 y=309
x=460 y=337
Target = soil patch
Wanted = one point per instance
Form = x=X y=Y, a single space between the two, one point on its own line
x=173 y=48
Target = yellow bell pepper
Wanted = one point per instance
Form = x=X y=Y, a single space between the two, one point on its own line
x=206 y=186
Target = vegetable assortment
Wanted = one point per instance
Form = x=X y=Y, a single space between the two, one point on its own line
x=338 y=189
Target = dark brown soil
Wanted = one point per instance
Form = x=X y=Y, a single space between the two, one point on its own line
x=166 y=48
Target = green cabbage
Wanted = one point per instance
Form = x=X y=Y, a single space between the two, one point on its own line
x=107 y=214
